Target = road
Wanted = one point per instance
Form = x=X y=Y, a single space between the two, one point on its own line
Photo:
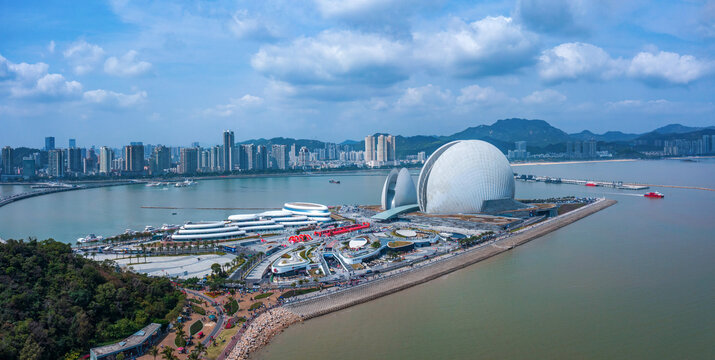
x=219 y=317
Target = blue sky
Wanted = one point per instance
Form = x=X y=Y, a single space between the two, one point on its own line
x=107 y=73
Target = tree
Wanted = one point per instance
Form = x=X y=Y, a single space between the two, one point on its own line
x=193 y=356
x=168 y=353
x=153 y=351
x=200 y=348
x=120 y=356
x=216 y=268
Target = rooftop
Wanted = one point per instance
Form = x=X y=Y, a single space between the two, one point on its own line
x=132 y=341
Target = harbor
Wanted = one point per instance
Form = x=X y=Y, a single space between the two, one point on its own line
x=594 y=183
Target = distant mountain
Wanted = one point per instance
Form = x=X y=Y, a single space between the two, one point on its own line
x=690 y=135
x=534 y=132
x=676 y=129
x=609 y=136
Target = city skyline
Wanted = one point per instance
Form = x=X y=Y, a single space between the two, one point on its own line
x=317 y=70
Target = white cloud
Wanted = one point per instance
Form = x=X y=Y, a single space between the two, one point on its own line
x=428 y=96
x=478 y=95
x=573 y=61
x=114 y=99
x=83 y=56
x=668 y=67
x=32 y=81
x=127 y=65
x=51 y=47
x=224 y=110
x=547 y=96
x=244 y=26
x=334 y=57
x=493 y=45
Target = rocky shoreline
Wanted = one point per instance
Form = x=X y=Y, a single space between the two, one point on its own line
x=261 y=330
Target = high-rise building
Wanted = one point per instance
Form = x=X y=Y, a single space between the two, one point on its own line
x=89 y=163
x=134 y=158
x=8 y=165
x=228 y=152
x=189 y=161
x=72 y=143
x=292 y=156
x=519 y=153
x=391 y=148
x=369 y=149
x=56 y=163
x=421 y=156
x=381 y=154
x=49 y=143
x=74 y=160
x=303 y=156
x=105 y=160
x=28 y=167
x=247 y=157
x=215 y=158
x=280 y=157
x=261 y=162
x=590 y=148
x=204 y=159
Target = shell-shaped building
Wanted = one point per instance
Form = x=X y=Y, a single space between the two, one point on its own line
x=466 y=176
x=399 y=190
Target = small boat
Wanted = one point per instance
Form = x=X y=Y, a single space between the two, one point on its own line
x=185 y=183
x=590 y=183
x=153 y=184
x=333 y=181
x=654 y=194
x=90 y=238
x=167 y=227
x=149 y=228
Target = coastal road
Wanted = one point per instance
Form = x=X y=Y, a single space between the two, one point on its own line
x=219 y=317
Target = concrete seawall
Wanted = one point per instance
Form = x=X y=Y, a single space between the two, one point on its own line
x=322 y=305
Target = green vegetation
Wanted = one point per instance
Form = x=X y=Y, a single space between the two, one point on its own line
x=232 y=307
x=398 y=244
x=375 y=245
x=297 y=292
x=474 y=240
x=54 y=303
x=196 y=327
x=263 y=296
x=256 y=305
x=198 y=309
x=285 y=256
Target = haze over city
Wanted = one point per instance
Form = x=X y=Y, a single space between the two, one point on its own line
x=107 y=73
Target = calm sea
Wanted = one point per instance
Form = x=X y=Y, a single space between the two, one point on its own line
x=635 y=281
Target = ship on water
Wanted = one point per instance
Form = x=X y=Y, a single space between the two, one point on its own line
x=654 y=194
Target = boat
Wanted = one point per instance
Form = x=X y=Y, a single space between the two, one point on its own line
x=185 y=183
x=90 y=238
x=333 y=181
x=167 y=227
x=153 y=184
x=654 y=194
x=590 y=183
x=149 y=228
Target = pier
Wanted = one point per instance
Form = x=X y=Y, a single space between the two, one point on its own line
x=49 y=189
x=609 y=184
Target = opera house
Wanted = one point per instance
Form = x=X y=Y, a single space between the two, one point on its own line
x=461 y=177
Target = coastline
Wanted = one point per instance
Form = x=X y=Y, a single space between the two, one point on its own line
x=318 y=305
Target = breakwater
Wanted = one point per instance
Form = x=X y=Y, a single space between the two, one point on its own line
x=321 y=305
x=51 y=190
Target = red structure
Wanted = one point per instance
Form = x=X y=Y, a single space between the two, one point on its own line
x=342 y=230
x=299 y=238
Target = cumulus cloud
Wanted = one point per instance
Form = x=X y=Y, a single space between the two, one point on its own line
x=244 y=26
x=33 y=81
x=51 y=47
x=424 y=96
x=547 y=96
x=334 y=57
x=478 y=95
x=385 y=16
x=573 y=61
x=127 y=65
x=114 y=99
x=224 y=110
x=491 y=46
x=83 y=56
x=668 y=67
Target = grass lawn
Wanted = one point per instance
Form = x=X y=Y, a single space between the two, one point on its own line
x=179 y=342
x=232 y=307
x=214 y=351
x=255 y=305
x=196 y=327
x=198 y=309
x=397 y=244
x=263 y=296
x=292 y=293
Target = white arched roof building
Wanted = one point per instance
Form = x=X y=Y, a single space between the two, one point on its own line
x=399 y=190
x=466 y=176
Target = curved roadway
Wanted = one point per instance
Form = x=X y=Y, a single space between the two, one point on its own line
x=219 y=317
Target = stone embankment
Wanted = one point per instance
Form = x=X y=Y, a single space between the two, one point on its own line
x=321 y=305
x=261 y=330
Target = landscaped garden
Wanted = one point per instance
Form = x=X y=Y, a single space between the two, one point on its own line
x=263 y=296
x=255 y=306
x=196 y=327
x=232 y=307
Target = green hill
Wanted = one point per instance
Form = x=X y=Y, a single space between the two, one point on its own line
x=53 y=302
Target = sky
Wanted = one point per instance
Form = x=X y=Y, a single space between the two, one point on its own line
x=162 y=72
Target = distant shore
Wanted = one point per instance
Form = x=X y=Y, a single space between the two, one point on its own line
x=314 y=305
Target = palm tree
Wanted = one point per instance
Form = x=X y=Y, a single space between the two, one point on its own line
x=180 y=332
x=168 y=353
x=153 y=351
x=193 y=356
x=200 y=348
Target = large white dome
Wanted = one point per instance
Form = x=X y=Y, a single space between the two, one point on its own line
x=399 y=190
x=465 y=176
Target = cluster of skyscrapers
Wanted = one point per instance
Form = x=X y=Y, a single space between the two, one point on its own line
x=681 y=147
x=581 y=149
x=380 y=150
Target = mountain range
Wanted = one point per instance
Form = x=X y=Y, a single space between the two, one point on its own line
x=538 y=134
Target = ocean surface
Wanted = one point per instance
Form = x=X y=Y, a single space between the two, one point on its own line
x=635 y=281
